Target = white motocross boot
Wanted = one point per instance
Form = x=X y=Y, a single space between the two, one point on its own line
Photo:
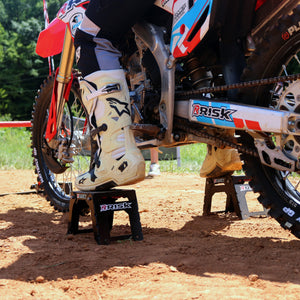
x=119 y=161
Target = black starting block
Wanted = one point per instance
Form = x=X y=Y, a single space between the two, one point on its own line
x=102 y=205
x=235 y=188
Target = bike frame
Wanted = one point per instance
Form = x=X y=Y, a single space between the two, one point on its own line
x=151 y=36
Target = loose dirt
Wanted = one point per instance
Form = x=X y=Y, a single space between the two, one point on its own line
x=184 y=255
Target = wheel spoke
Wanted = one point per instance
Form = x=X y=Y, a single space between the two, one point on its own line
x=297 y=59
x=285 y=70
x=286 y=175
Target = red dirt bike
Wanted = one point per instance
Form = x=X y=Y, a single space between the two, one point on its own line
x=197 y=72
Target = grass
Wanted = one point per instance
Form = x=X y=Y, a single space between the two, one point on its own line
x=15 y=153
x=191 y=158
x=15 y=149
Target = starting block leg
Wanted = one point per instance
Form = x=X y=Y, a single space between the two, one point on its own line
x=134 y=217
x=103 y=205
x=235 y=188
x=75 y=209
x=102 y=225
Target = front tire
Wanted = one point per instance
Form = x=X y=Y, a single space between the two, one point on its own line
x=55 y=176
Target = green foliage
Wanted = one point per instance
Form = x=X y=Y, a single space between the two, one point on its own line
x=21 y=69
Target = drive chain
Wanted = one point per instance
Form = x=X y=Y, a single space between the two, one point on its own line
x=185 y=126
x=246 y=84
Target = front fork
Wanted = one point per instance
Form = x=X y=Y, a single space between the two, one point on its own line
x=61 y=88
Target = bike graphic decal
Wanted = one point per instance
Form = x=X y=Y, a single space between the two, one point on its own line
x=185 y=32
x=226 y=115
x=285 y=36
x=75 y=22
x=240 y=123
x=291 y=31
x=216 y=113
x=70 y=6
x=72 y=13
x=219 y=113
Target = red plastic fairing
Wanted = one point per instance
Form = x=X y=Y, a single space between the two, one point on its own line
x=259 y=3
x=51 y=39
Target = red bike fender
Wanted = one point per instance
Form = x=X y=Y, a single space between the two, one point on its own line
x=51 y=39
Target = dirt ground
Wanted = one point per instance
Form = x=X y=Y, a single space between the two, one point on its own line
x=184 y=255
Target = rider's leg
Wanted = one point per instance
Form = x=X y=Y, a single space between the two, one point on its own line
x=105 y=93
x=119 y=161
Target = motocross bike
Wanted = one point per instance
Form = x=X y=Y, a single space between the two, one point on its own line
x=220 y=72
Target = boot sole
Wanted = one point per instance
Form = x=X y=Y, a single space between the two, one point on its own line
x=140 y=176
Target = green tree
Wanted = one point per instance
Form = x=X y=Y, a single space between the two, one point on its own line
x=21 y=69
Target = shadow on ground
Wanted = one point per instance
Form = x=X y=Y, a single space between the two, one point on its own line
x=200 y=247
